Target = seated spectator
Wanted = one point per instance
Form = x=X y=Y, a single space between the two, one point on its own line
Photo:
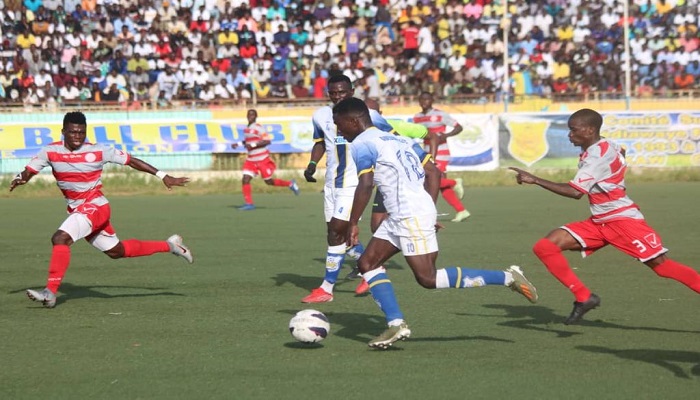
x=68 y=93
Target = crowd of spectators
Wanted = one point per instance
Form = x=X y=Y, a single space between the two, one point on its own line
x=157 y=52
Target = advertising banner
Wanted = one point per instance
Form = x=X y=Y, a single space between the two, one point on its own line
x=666 y=139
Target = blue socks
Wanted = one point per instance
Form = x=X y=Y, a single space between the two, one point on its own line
x=383 y=293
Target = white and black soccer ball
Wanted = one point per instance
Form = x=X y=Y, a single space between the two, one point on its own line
x=309 y=326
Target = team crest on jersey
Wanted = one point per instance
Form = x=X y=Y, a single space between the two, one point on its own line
x=652 y=240
x=528 y=140
x=88 y=209
x=90 y=157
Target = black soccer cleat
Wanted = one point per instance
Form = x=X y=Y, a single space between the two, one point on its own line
x=581 y=308
x=354 y=274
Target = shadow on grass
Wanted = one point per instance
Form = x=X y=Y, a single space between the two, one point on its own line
x=71 y=292
x=538 y=318
x=668 y=359
x=311 y=282
x=363 y=327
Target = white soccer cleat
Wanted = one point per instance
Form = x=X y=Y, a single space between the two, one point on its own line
x=522 y=285
x=46 y=297
x=179 y=249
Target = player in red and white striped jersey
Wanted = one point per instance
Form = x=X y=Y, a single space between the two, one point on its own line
x=616 y=219
x=77 y=166
x=437 y=122
x=258 y=161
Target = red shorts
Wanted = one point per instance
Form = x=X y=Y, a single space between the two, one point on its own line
x=631 y=236
x=265 y=168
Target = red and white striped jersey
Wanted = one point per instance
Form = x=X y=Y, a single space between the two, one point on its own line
x=254 y=133
x=437 y=122
x=78 y=172
x=601 y=175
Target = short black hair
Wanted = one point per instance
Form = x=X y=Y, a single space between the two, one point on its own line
x=589 y=117
x=339 y=78
x=74 y=117
x=351 y=105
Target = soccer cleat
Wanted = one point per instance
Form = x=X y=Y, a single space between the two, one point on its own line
x=389 y=336
x=294 y=187
x=521 y=285
x=247 y=207
x=461 y=216
x=362 y=288
x=580 y=308
x=318 y=295
x=353 y=274
x=459 y=188
x=46 y=297
x=179 y=249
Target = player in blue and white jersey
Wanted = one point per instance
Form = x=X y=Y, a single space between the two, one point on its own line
x=341 y=180
x=409 y=183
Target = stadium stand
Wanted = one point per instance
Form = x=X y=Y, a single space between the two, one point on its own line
x=139 y=53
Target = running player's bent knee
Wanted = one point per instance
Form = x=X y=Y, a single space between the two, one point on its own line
x=61 y=238
x=427 y=282
x=545 y=247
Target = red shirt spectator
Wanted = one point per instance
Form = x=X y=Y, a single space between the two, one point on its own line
x=162 y=49
x=410 y=39
x=222 y=64
x=248 y=50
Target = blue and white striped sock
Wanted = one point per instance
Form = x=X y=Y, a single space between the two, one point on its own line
x=383 y=293
x=458 y=277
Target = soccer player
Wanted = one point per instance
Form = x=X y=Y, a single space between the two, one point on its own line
x=616 y=219
x=258 y=161
x=402 y=128
x=77 y=166
x=340 y=182
x=409 y=182
x=437 y=122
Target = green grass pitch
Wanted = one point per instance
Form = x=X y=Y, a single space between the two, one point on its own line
x=158 y=328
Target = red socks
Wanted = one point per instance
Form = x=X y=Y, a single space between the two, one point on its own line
x=679 y=272
x=552 y=258
x=281 y=182
x=451 y=198
x=58 y=265
x=138 y=248
x=447 y=183
x=247 y=193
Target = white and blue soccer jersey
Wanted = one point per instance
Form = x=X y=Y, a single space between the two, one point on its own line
x=340 y=169
x=397 y=163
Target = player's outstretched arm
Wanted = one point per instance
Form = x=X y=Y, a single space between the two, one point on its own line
x=317 y=153
x=21 y=179
x=432 y=180
x=456 y=131
x=562 y=189
x=168 y=180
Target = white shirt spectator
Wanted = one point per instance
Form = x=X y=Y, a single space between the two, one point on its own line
x=144 y=49
x=69 y=92
x=544 y=21
x=581 y=33
x=456 y=62
x=168 y=83
x=207 y=94
x=225 y=91
x=425 y=41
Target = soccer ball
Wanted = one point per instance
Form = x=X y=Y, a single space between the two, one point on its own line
x=309 y=326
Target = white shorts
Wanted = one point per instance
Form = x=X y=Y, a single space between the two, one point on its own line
x=78 y=226
x=337 y=203
x=413 y=236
